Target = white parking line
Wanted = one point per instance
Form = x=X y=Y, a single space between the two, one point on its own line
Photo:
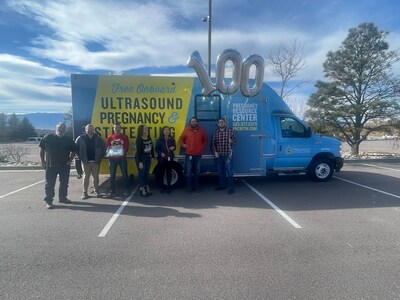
x=368 y=187
x=20 y=171
x=117 y=213
x=386 y=168
x=24 y=188
x=277 y=209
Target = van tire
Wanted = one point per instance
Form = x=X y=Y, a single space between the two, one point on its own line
x=321 y=169
x=177 y=175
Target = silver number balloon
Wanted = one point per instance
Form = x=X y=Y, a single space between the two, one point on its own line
x=196 y=62
x=259 y=63
x=223 y=57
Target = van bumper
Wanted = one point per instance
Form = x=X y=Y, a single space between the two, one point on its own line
x=338 y=163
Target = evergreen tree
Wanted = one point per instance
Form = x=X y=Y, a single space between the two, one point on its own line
x=26 y=129
x=3 y=127
x=13 y=128
x=361 y=94
x=68 y=120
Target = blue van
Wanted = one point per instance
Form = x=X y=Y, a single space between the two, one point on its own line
x=270 y=138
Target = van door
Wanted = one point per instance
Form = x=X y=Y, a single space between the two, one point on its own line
x=245 y=116
x=294 y=143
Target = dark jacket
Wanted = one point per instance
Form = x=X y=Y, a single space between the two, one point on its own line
x=144 y=148
x=162 y=146
x=100 y=148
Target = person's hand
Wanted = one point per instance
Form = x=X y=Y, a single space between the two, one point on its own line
x=216 y=154
x=140 y=165
x=162 y=155
x=184 y=146
x=44 y=164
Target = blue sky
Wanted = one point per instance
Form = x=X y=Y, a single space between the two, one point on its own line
x=42 y=42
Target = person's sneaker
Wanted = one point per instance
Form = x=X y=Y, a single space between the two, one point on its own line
x=143 y=193
x=49 y=206
x=85 y=196
x=79 y=176
x=111 y=194
x=96 y=194
x=64 y=200
x=148 y=191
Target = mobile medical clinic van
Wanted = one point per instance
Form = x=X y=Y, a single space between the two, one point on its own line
x=270 y=138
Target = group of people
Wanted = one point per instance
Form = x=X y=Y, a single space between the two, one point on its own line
x=58 y=150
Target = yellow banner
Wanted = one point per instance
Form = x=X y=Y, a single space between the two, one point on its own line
x=134 y=100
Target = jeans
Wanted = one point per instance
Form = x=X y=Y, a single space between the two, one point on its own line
x=192 y=171
x=51 y=177
x=91 y=168
x=123 y=164
x=144 y=173
x=224 y=165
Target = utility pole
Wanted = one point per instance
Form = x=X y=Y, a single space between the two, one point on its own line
x=208 y=19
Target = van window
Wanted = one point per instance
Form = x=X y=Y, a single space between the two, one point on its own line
x=207 y=108
x=292 y=128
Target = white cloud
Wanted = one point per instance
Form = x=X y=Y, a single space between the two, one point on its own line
x=28 y=86
x=129 y=34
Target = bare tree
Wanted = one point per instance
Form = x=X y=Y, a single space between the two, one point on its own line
x=12 y=151
x=287 y=61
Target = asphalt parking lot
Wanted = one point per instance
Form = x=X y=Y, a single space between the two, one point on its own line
x=274 y=238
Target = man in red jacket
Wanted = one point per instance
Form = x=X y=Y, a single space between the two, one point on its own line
x=194 y=140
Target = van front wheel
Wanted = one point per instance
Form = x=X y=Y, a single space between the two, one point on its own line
x=321 y=169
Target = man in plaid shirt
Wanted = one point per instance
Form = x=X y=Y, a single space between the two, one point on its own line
x=221 y=146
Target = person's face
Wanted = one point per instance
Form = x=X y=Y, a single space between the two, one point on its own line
x=166 y=131
x=221 y=124
x=193 y=122
x=61 y=129
x=117 y=129
x=89 y=130
x=145 y=130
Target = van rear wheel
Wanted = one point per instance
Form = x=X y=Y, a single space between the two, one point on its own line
x=321 y=169
x=177 y=175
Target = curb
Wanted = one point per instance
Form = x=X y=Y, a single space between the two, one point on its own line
x=30 y=168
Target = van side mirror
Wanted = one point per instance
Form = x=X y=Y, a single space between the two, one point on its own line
x=309 y=132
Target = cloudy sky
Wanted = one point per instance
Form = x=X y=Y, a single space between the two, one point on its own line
x=43 y=41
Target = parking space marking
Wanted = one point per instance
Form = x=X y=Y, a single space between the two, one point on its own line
x=21 y=189
x=385 y=168
x=367 y=187
x=277 y=209
x=20 y=171
x=110 y=223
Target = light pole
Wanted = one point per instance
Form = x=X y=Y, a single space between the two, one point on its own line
x=208 y=19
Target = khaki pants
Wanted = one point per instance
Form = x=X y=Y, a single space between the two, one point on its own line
x=91 y=169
